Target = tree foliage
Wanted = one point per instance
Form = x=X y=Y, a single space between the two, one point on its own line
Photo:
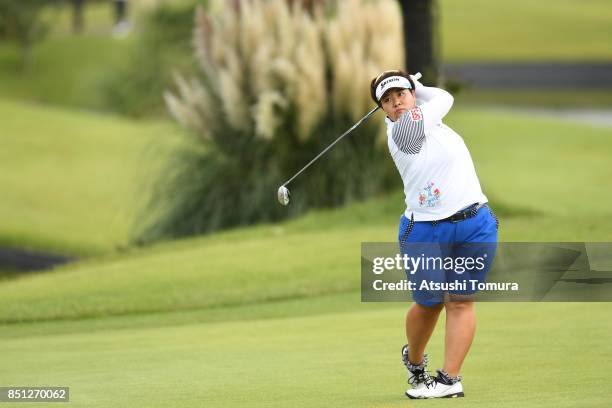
x=421 y=38
x=22 y=21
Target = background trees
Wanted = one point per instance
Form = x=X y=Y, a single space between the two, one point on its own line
x=420 y=30
x=23 y=22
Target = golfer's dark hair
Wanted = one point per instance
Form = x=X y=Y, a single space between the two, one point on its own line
x=382 y=77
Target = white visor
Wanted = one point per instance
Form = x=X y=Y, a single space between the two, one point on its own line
x=392 y=82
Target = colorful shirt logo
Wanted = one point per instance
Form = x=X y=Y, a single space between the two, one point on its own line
x=429 y=196
x=416 y=114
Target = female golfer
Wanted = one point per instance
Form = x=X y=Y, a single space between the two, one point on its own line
x=446 y=216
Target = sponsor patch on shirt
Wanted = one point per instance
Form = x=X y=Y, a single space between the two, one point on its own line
x=416 y=114
x=429 y=196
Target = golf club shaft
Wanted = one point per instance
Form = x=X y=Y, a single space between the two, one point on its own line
x=370 y=113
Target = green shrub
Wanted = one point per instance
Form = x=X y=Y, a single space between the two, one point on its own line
x=277 y=84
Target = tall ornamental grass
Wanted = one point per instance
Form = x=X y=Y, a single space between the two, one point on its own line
x=278 y=83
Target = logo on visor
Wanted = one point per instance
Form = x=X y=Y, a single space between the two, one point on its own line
x=383 y=83
x=392 y=82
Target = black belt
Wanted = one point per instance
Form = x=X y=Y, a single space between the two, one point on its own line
x=464 y=214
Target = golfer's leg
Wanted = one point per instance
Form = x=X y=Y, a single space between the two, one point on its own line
x=460 y=330
x=420 y=323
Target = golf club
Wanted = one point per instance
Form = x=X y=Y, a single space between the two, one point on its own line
x=283 y=193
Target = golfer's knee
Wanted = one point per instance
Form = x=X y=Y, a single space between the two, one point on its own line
x=432 y=309
x=458 y=306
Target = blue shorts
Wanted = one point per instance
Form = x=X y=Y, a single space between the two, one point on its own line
x=445 y=250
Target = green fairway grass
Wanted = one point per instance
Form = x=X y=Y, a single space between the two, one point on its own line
x=523 y=30
x=547 y=182
x=67 y=70
x=548 y=98
x=270 y=315
x=344 y=358
x=70 y=179
x=237 y=268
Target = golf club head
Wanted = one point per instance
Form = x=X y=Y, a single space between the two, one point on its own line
x=283 y=195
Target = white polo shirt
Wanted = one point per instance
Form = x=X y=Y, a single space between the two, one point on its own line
x=433 y=161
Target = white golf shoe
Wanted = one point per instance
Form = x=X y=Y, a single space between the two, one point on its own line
x=443 y=386
x=417 y=374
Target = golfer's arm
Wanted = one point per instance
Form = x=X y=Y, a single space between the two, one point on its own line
x=435 y=103
x=410 y=130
